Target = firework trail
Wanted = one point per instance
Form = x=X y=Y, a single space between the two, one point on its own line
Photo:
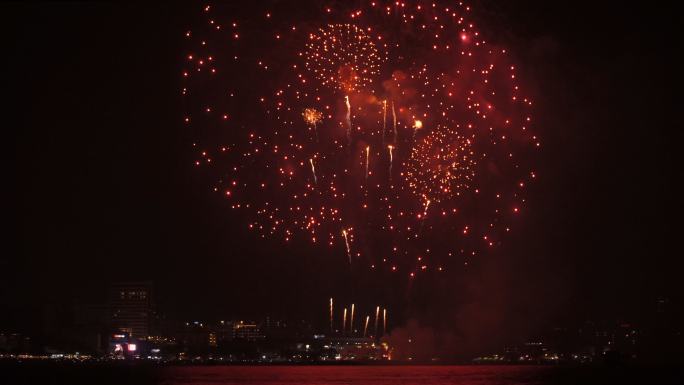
x=346 y=242
x=384 y=121
x=344 y=321
x=313 y=170
x=384 y=321
x=365 y=326
x=367 y=154
x=391 y=160
x=394 y=122
x=351 y=320
x=347 y=118
x=377 y=316
x=331 y=315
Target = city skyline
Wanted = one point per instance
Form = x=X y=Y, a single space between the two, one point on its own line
x=105 y=185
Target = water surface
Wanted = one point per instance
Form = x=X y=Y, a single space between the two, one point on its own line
x=410 y=375
x=151 y=374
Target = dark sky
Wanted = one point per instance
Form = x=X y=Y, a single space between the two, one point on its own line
x=103 y=188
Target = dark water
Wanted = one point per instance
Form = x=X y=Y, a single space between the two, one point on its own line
x=53 y=374
x=418 y=375
x=371 y=375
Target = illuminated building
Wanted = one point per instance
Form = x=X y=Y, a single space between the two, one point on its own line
x=355 y=349
x=121 y=345
x=246 y=331
x=130 y=304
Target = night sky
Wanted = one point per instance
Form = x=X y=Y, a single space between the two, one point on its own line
x=103 y=186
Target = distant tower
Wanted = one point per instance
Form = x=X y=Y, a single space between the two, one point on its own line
x=131 y=305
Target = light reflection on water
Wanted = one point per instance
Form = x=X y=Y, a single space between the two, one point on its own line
x=339 y=375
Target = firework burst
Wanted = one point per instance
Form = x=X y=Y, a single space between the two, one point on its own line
x=417 y=154
x=441 y=166
x=342 y=56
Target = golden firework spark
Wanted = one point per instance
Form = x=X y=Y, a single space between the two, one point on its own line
x=441 y=166
x=312 y=116
x=343 y=56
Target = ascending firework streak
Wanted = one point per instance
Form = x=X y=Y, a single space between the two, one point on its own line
x=365 y=326
x=348 y=119
x=367 y=151
x=394 y=122
x=377 y=315
x=390 y=147
x=384 y=321
x=351 y=320
x=313 y=170
x=384 y=120
x=344 y=320
x=346 y=242
x=331 y=315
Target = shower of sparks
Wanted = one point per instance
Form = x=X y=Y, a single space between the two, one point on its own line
x=441 y=165
x=343 y=56
x=462 y=141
